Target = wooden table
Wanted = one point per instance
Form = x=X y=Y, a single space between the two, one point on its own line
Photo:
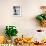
x=25 y=44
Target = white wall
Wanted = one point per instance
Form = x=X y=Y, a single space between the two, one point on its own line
x=26 y=24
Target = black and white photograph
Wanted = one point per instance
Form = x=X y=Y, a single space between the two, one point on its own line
x=16 y=10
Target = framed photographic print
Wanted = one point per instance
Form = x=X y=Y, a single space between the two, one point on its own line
x=17 y=10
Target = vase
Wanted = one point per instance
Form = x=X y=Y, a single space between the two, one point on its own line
x=13 y=38
x=9 y=41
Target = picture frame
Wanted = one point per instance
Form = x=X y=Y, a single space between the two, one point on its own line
x=17 y=10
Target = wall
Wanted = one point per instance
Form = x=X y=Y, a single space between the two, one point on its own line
x=26 y=24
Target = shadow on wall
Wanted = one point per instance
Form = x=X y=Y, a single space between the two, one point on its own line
x=34 y=21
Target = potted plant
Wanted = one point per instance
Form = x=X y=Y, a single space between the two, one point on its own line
x=10 y=31
x=42 y=17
